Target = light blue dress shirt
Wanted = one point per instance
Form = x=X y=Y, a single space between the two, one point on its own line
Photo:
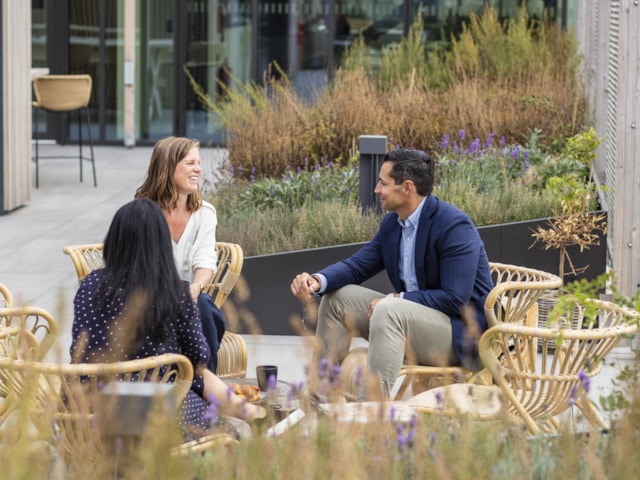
x=408 y=250
x=407 y=253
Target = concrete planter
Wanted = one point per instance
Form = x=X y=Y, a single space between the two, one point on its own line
x=264 y=304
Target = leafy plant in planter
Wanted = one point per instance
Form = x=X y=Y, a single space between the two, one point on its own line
x=573 y=223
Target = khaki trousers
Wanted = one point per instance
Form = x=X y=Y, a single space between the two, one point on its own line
x=399 y=329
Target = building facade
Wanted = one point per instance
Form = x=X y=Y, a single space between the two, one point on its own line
x=148 y=46
x=138 y=53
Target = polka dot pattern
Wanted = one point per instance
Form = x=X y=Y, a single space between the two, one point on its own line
x=101 y=334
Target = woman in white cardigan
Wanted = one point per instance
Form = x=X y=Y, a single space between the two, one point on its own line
x=173 y=182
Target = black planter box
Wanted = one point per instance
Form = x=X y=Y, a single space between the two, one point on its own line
x=267 y=298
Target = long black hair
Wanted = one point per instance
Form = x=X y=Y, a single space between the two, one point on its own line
x=139 y=268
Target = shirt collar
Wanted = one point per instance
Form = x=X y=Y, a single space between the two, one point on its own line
x=413 y=219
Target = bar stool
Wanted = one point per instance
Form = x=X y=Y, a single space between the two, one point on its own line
x=64 y=94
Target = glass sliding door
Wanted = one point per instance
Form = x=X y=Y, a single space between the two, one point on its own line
x=155 y=62
x=94 y=42
x=39 y=53
x=312 y=57
x=380 y=23
x=218 y=54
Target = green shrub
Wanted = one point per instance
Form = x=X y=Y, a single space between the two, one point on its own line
x=316 y=206
x=281 y=229
x=308 y=185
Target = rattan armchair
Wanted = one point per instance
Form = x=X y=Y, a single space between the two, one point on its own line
x=232 y=356
x=6 y=300
x=15 y=342
x=534 y=388
x=25 y=332
x=59 y=401
x=514 y=300
x=64 y=94
x=36 y=321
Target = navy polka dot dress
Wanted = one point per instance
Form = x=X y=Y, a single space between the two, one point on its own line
x=99 y=335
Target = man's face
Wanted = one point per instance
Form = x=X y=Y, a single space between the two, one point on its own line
x=392 y=197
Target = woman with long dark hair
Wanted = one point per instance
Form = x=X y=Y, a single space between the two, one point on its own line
x=138 y=306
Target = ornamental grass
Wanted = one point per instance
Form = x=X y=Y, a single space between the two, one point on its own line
x=421 y=446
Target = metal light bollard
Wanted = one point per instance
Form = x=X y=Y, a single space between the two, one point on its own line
x=372 y=151
x=124 y=407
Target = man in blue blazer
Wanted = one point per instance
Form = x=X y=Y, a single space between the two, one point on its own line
x=437 y=265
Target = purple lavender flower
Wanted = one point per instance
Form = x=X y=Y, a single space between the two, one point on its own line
x=585 y=380
x=461 y=134
x=336 y=370
x=323 y=368
x=439 y=398
x=445 y=142
x=324 y=386
x=231 y=170
x=411 y=434
x=572 y=395
x=401 y=438
x=503 y=141
x=406 y=433
x=294 y=391
x=475 y=146
x=358 y=376
x=489 y=141
x=211 y=412
x=271 y=386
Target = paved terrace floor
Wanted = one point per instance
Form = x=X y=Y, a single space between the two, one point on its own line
x=64 y=211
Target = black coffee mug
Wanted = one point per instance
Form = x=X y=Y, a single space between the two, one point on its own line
x=264 y=374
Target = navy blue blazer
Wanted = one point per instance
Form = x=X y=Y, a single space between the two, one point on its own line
x=451 y=263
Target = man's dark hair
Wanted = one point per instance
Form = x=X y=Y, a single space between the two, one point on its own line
x=413 y=165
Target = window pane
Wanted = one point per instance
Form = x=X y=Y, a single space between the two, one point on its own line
x=218 y=53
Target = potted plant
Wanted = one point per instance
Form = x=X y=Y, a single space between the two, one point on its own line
x=574 y=222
